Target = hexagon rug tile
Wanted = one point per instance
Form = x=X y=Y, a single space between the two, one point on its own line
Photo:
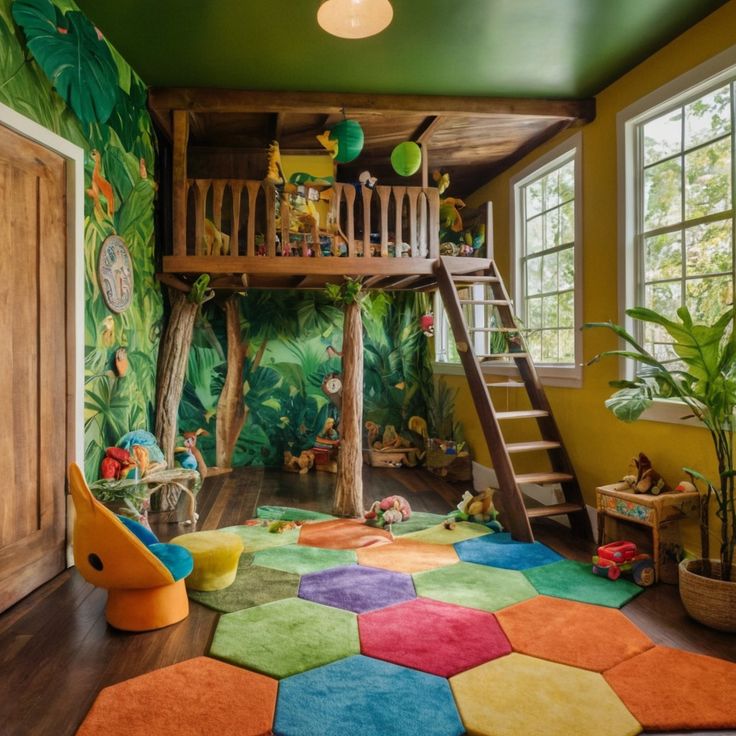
x=568 y=632
x=671 y=690
x=517 y=695
x=342 y=534
x=286 y=637
x=418 y=521
x=431 y=636
x=439 y=535
x=182 y=698
x=361 y=696
x=408 y=555
x=508 y=554
x=357 y=588
x=300 y=560
x=576 y=582
x=253 y=586
x=257 y=536
x=474 y=586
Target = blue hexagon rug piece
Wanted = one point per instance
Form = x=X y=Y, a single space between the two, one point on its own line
x=362 y=696
x=505 y=553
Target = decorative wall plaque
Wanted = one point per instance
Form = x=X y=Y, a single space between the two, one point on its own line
x=115 y=274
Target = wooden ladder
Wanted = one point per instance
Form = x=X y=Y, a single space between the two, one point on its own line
x=509 y=500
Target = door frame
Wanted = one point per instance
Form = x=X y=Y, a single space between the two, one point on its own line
x=74 y=156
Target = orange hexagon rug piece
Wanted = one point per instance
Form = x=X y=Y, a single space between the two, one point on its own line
x=181 y=699
x=342 y=534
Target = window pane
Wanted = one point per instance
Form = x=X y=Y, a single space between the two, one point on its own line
x=550 y=347
x=549 y=311
x=708 y=179
x=663 y=136
x=566 y=265
x=708 y=118
x=534 y=312
x=707 y=299
x=534 y=275
x=552 y=228
x=533 y=198
x=534 y=343
x=567 y=346
x=662 y=194
x=567 y=309
x=567 y=223
x=534 y=234
x=664 y=298
x=567 y=181
x=663 y=257
x=551 y=190
x=709 y=248
x=549 y=272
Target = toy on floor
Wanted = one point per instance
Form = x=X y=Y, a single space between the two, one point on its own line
x=479 y=508
x=647 y=479
x=301 y=463
x=390 y=510
x=617 y=557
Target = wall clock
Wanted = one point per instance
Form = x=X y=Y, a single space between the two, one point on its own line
x=332 y=388
x=115 y=274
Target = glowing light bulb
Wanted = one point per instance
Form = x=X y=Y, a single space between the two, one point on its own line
x=355 y=18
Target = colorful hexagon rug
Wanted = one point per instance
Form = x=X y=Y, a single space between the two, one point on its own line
x=434 y=631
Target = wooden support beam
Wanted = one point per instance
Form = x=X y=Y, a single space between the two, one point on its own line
x=179 y=181
x=231 y=100
x=427 y=129
x=169 y=279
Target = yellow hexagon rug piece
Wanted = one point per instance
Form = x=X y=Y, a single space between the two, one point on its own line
x=523 y=695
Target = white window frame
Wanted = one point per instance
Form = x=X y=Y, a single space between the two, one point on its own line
x=694 y=83
x=571 y=149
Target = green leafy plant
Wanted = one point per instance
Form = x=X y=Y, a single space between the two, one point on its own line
x=349 y=292
x=703 y=377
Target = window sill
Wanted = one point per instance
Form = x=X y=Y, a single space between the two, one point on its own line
x=550 y=376
x=670 y=411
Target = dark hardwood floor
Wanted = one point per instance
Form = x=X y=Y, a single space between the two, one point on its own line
x=57 y=652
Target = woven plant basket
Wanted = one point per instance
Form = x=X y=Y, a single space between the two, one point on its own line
x=708 y=600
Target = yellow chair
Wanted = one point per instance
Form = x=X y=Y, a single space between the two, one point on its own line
x=216 y=555
x=143 y=577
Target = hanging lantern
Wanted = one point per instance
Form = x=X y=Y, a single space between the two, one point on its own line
x=349 y=137
x=406 y=158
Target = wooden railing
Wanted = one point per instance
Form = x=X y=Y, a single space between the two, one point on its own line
x=229 y=218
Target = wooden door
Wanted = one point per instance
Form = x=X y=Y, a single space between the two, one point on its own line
x=33 y=365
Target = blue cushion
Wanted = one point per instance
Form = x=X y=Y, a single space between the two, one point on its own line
x=143 y=533
x=177 y=559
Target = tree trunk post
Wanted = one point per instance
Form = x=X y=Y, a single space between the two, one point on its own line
x=230 y=406
x=349 y=487
x=172 y=370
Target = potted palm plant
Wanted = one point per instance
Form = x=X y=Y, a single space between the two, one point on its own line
x=703 y=377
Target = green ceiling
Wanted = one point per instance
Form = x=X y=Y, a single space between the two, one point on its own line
x=520 y=48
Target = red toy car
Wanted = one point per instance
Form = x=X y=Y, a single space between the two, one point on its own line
x=617 y=557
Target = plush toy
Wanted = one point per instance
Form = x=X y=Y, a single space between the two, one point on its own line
x=426 y=322
x=685 y=486
x=299 y=464
x=479 y=508
x=390 y=510
x=647 y=479
x=117 y=464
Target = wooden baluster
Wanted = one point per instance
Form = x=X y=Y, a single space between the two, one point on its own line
x=201 y=189
x=236 y=189
x=399 y=193
x=270 y=192
x=489 y=230
x=179 y=181
x=433 y=197
x=367 y=195
x=218 y=191
x=253 y=189
x=384 y=195
x=285 y=226
x=413 y=193
x=422 y=237
x=349 y=192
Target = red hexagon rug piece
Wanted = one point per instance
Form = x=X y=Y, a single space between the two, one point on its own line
x=432 y=636
x=184 y=699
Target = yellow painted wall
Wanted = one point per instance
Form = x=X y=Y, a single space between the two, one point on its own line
x=601 y=446
x=317 y=165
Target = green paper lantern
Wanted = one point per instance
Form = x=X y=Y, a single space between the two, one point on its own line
x=406 y=158
x=349 y=137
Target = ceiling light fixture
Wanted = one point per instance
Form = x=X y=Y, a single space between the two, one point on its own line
x=354 y=18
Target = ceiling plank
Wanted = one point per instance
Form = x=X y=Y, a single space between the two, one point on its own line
x=200 y=99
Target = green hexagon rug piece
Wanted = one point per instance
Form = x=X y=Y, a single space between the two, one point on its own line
x=258 y=536
x=253 y=586
x=417 y=522
x=576 y=582
x=286 y=637
x=301 y=560
x=474 y=586
x=439 y=535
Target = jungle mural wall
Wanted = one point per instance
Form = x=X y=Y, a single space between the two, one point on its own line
x=58 y=69
x=292 y=342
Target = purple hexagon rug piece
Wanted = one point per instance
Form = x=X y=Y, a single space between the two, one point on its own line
x=356 y=588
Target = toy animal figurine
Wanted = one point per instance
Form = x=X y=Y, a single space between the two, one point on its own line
x=617 y=557
x=117 y=464
x=685 y=486
x=647 y=480
x=426 y=322
x=299 y=464
x=275 y=173
x=192 y=458
x=329 y=144
x=442 y=180
x=390 y=510
x=366 y=180
x=479 y=508
x=101 y=186
x=373 y=431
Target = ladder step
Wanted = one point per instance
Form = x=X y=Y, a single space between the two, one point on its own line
x=493 y=329
x=476 y=279
x=554 y=510
x=506 y=384
x=497 y=302
x=498 y=356
x=527 y=414
x=543 y=478
x=532 y=446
